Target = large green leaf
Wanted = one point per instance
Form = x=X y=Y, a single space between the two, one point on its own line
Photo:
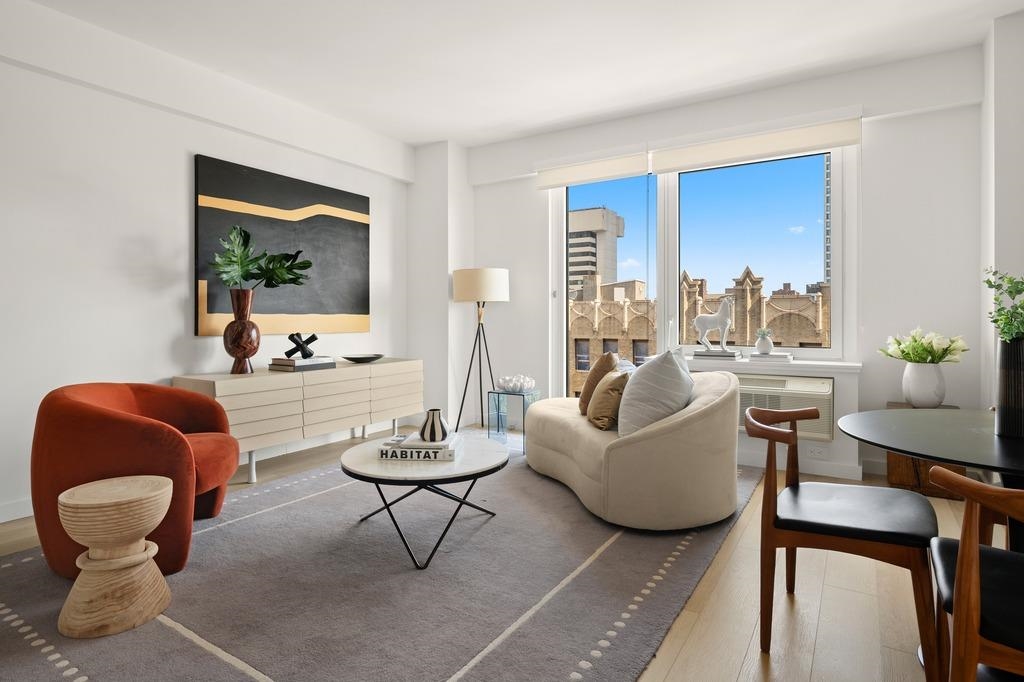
x=278 y=269
x=237 y=264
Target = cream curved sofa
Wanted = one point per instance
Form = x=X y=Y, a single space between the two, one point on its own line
x=679 y=472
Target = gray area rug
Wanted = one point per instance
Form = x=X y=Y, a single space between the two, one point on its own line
x=287 y=585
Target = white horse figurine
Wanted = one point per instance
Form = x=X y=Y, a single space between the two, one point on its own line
x=720 y=321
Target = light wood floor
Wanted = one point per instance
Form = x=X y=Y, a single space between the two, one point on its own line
x=850 y=619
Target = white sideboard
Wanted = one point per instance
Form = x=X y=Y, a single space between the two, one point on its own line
x=269 y=408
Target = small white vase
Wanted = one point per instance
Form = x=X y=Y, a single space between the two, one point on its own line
x=923 y=384
x=764 y=345
x=434 y=428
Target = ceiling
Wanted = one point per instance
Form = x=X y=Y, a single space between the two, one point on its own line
x=480 y=71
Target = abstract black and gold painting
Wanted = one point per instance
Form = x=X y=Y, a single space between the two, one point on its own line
x=330 y=226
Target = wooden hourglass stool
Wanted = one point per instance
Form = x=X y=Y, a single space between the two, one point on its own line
x=120 y=586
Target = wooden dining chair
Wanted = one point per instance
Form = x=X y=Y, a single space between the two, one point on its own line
x=886 y=524
x=980 y=588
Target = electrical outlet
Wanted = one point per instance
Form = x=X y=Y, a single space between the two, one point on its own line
x=816 y=451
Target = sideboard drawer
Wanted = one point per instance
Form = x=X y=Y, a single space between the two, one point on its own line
x=335 y=425
x=396 y=379
x=261 y=412
x=344 y=373
x=265 y=440
x=340 y=412
x=266 y=426
x=336 y=387
x=337 y=400
x=245 y=400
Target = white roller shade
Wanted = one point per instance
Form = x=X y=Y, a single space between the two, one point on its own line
x=756 y=147
x=593 y=171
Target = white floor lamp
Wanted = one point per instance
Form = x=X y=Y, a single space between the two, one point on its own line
x=479 y=285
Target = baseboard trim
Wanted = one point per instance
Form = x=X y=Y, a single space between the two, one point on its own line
x=16 y=509
x=808 y=465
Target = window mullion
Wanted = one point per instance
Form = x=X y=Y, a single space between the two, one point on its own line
x=668 y=260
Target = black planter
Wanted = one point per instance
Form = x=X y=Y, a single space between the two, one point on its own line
x=1010 y=397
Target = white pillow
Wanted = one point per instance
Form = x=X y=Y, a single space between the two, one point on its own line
x=658 y=388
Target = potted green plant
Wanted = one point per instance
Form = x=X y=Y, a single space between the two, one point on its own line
x=923 y=383
x=764 y=344
x=1007 y=315
x=238 y=264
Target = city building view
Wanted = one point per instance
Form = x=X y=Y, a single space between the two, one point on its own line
x=610 y=312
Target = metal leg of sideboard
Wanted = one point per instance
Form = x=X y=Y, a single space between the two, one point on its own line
x=252 y=466
x=394 y=427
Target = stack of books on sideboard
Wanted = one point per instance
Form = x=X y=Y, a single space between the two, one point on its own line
x=410 y=447
x=302 y=364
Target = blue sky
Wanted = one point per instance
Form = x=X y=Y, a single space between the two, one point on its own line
x=767 y=215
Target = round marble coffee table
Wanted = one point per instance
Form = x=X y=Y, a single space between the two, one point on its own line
x=475 y=459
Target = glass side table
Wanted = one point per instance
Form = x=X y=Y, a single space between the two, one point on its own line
x=497 y=409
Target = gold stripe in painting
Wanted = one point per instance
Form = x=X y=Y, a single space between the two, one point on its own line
x=290 y=214
x=212 y=324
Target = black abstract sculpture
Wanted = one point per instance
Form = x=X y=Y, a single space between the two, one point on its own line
x=300 y=345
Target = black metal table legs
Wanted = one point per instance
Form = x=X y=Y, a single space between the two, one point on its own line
x=463 y=502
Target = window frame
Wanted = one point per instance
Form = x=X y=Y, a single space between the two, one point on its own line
x=845 y=168
x=668 y=190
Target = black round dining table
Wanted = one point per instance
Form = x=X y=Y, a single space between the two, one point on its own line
x=965 y=437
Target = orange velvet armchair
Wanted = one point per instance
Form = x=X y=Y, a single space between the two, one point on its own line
x=86 y=432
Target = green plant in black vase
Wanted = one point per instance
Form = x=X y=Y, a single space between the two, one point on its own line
x=1007 y=315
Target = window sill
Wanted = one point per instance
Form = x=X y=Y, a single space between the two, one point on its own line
x=794 y=368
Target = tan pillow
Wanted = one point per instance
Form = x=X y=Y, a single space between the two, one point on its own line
x=604 y=364
x=603 y=410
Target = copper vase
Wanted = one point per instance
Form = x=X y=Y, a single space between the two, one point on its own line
x=241 y=336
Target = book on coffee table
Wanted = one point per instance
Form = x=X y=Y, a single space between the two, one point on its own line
x=414 y=448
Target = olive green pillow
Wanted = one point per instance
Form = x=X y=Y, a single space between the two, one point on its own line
x=606 y=363
x=603 y=410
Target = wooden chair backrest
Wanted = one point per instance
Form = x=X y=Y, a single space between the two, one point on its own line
x=760 y=423
x=966 y=645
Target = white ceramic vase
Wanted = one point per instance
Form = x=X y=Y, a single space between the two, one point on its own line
x=764 y=345
x=923 y=384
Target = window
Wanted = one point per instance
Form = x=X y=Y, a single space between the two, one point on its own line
x=610 y=236
x=644 y=255
x=762 y=234
x=640 y=353
x=582 y=348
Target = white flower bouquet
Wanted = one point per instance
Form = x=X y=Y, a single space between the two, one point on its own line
x=921 y=347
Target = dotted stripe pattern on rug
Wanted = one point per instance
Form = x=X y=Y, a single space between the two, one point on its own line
x=605 y=641
x=31 y=637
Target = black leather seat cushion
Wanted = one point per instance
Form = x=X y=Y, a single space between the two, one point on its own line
x=1002 y=589
x=890 y=515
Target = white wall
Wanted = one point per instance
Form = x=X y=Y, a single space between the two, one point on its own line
x=512 y=232
x=97 y=198
x=919 y=249
x=47 y=41
x=440 y=239
x=1003 y=168
x=428 y=271
x=931 y=82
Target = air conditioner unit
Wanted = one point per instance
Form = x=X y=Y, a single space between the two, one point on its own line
x=789 y=393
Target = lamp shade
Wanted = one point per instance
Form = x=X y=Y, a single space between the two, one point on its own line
x=480 y=284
